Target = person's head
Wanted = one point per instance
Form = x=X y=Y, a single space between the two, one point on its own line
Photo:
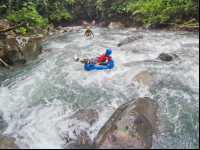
x=108 y=51
x=88 y=28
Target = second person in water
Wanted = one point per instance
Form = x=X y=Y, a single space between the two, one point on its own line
x=102 y=60
x=88 y=32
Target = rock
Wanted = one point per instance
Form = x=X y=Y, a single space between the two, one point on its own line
x=84 y=141
x=128 y=40
x=50 y=29
x=116 y=25
x=130 y=127
x=3 y=124
x=4 y=24
x=93 y=23
x=38 y=30
x=143 y=77
x=167 y=56
x=88 y=115
x=59 y=28
x=20 y=50
x=147 y=26
x=85 y=23
x=7 y=142
x=102 y=24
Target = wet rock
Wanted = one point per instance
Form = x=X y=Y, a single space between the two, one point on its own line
x=85 y=23
x=3 y=124
x=116 y=25
x=143 y=77
x=7 y=142
x=88 y=115
x=130 y=127
x=20 y=50
x=84 y=141
x=167 y=56
x=129 y=40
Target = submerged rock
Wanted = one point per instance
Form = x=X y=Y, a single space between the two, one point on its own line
x=130 y=127
x=129 y=40
x=3 y=124
x=143 y=77
x=7 y=142
x=88 y=115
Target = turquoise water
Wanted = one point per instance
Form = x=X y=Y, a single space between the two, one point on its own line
x=37 y=99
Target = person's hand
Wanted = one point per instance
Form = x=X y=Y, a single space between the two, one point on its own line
x=97 y=64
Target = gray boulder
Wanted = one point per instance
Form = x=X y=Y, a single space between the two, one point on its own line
x=130 y=127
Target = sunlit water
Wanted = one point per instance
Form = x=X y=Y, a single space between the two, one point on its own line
x=37 y=99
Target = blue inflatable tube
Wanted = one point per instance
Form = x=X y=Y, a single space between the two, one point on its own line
x=99 y=67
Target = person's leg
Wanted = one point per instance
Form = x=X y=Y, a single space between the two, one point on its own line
x=84 y=61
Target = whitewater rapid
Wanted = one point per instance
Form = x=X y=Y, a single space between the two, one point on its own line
x=36 y=99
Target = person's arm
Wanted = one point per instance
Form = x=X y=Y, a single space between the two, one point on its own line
x=91 y=32
x=104 y=63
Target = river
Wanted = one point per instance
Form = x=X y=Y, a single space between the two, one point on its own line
x=36 y=99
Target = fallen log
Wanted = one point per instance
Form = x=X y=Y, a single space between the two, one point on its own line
x=13 y=27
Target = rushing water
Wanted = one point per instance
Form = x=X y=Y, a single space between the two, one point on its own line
x=37 y=99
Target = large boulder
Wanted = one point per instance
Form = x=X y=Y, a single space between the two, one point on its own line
x=130 y=127
x=129 y=40
x=7 y=142
x=20 y=50
x=116 y=25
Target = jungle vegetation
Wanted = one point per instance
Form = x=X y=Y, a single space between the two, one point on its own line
x=41 y=13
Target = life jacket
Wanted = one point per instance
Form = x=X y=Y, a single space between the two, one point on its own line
x=88 y=32
x=104 y=57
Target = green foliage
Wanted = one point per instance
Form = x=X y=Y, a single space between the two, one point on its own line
x=165 y=11
x=39 y=13
x=22 y=30
x=114 y=9
x=27 y=13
